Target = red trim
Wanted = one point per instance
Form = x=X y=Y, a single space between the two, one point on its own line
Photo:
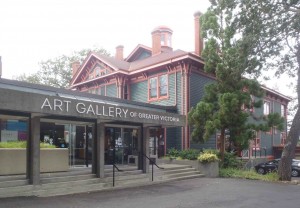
x=158 y=86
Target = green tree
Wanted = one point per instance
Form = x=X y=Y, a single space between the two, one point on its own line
x=271 y=29
x=228 y=101
x=57 y=71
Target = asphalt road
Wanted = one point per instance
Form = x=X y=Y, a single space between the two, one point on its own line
x=194 y=193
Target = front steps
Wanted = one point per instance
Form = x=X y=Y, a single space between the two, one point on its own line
x=63 y=184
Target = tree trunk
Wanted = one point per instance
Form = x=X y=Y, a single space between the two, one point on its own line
x=288 y=153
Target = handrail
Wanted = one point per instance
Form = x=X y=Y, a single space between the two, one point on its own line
x=117 y=168
x=114 y=166
x=152 y=163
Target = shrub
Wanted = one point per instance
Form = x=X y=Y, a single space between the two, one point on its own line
x=211 y=151
x=13 y=144
x=189 y=154
x=230 y=161
x=208 y=157
x=247 y=174
x=22 y=144
x=173 y=152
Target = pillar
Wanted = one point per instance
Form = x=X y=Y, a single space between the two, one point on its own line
x=145 y=147
x=33 y=150
x=100 y=151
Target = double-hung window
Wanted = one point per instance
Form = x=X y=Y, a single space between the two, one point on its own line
x=158 y=87
x=266 y=108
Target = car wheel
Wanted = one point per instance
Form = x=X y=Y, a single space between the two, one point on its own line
x=295 y=173
x=261 y=171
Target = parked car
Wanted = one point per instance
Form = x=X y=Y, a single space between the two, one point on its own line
x=272 y=165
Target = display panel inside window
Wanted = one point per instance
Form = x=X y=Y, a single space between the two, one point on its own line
x=13 y=128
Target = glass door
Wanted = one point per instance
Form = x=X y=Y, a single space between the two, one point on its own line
x=121 y=145
x=80 y=145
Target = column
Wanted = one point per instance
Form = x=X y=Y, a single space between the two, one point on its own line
x=33 y=150
x=145 y=143
x=100 y=152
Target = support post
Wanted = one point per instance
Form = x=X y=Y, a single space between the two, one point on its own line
x=146 y=135
x=33 y=148
x=100 y=149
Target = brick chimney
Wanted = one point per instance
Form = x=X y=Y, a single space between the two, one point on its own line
x=0 y=67
x=75 y=67
x=119 y=52
x=161 y=40
x=198 y=38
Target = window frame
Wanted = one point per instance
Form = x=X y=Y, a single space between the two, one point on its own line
x=267 y=109
x=157 y=88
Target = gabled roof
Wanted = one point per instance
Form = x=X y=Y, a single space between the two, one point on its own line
x=126 y=67
x=139 y=49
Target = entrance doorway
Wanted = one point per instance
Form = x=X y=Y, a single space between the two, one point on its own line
x=76 y=136
x=121 y=145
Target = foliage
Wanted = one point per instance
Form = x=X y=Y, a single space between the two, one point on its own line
x=189 y=154
x=172 y=152
x=211 y=151
x=228 y=102
x=247 y=174
x=230 y=161
x=270 y=29
x=13 y=144
x=208 y=157
x=22 y=144
x=57 y=71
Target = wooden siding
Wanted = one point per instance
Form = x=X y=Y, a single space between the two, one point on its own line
x=210 y=144
x=174 y=138
x=111 y=90
x=139 y=91
x=197 y=87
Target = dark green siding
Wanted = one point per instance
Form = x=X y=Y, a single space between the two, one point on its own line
x=210 y=144
x=139 y=91
x=174 y=138
x=197 y=87
x=111 y=90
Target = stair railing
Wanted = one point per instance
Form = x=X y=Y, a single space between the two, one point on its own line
x=152 y=163
x=115 y=167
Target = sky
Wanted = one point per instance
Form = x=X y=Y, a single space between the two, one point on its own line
x=35 y=30
x=32 y=31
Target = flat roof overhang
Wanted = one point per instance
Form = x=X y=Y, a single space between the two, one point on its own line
x=51 y=104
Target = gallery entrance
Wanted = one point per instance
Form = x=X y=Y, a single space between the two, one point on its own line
x=76 y=137
x=121 y=145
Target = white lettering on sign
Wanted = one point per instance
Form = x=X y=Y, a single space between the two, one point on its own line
x=96 y=109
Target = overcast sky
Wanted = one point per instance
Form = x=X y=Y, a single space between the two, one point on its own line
x=36 y=30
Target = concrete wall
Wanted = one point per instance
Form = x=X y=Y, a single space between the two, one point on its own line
x=13 y=161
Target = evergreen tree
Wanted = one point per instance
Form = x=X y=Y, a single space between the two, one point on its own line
x=228 y=101
x=271 y=31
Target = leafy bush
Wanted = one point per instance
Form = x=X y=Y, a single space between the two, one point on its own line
x=211 y=151
x=230 y=161
x=189 y=154
x=46 y=145
x=22 y=144
x=13 y=144
x=208 y=157
x=173 y=152
x=247 y=174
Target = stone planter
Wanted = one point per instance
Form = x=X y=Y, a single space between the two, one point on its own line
x=210 y=170
x=13 y=160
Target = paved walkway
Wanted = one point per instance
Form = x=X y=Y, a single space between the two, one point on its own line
x=194 y=193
